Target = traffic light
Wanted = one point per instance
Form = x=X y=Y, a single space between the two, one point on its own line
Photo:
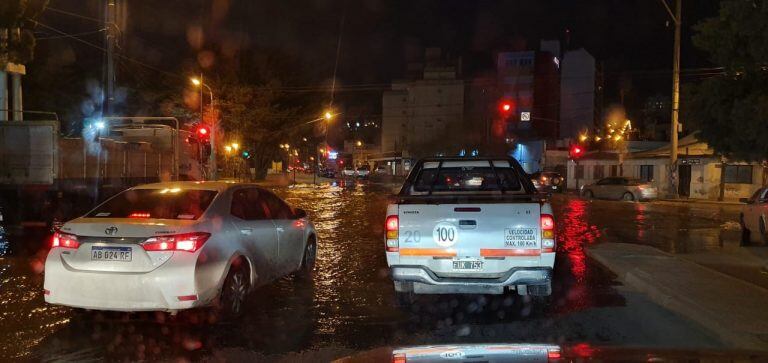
x=577 y=151
x=246 y=154
x=506 y=107
x=203 y=132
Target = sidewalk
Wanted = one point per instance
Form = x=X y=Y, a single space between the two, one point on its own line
x=700 y=201
x=733 y=309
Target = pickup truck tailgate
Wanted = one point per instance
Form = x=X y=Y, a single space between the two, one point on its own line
x=495 y=230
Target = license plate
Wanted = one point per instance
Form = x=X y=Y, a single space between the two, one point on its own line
x=122 y=254
x=468 y=265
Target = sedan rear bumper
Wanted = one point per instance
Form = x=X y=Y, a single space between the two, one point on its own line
x=170 y=287
x=425 y=281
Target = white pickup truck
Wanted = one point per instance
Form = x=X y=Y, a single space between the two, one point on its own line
x=469 y=226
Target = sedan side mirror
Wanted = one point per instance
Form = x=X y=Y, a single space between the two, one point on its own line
x=744 y=200
x=299 y=213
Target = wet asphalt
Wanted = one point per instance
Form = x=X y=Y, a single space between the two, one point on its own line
x=350 y=304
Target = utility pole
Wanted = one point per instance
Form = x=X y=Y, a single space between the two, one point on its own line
x=110 y=38
x=677 y=20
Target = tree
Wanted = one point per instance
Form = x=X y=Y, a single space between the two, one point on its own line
x=258 y=104
x=17 y=42
x=732 y=110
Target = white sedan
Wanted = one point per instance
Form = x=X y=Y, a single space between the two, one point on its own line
x=178 y=245
x=754 y=217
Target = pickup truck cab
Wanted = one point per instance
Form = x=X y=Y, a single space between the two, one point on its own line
x=469 y=226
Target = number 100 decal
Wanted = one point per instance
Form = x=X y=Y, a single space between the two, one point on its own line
x=445 y=234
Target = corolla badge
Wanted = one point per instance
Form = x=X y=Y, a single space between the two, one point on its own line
x=111 y=230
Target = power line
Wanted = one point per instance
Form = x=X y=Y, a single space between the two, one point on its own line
x=71 y=35
x=74 y=14
x=373 y=87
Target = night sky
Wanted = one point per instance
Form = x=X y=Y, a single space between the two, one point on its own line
x=629 y=37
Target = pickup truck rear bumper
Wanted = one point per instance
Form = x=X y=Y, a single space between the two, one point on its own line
x=421 y=280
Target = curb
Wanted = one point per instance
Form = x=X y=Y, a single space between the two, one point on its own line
x=699 y=201
x=680 y=304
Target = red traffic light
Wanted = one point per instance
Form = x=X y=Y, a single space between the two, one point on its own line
x=506 y=106
x=576 y=151
x=202 y=131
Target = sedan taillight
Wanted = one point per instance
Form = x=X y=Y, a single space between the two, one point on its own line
x=188 y=242
x=65 y=240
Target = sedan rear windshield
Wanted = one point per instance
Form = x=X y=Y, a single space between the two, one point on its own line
x=156 y=204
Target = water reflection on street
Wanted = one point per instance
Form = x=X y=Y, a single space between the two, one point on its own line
x=350 y=304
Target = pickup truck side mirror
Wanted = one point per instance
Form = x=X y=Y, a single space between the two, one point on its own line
x=299 y=213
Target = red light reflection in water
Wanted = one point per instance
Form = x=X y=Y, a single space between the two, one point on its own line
x=574 y=233
x=640 y=221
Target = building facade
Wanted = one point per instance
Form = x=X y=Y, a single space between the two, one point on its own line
x=577 y=93
x=417 y=112
x=701 y=173
x=529 y=82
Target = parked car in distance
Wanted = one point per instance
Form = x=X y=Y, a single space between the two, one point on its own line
x=381 y=170
x=548 y=182
x=620 y=188
x=364 y=171
x=348 y=171
x=178 y=245
x=754 y=217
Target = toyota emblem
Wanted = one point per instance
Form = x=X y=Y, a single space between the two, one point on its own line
x=111 y=230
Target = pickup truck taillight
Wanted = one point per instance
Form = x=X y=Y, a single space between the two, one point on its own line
x=392 y=226
x=547 y=233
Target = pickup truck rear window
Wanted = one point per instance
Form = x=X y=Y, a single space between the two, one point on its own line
x=467 y=179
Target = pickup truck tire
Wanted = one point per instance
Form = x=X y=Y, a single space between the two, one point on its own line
x=540 y=290
x=404 y=299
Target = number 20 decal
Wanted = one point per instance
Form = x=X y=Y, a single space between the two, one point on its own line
x=445 y=234
x=412 y=236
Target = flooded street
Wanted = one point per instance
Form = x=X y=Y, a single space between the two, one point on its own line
x=350 y=305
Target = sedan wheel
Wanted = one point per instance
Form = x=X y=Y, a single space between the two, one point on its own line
x=309 y=259
x=234 y=292
x=588 y=194
x=628 y=197
x=746 y=237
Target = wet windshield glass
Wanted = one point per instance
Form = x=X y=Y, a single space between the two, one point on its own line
x=167 y=203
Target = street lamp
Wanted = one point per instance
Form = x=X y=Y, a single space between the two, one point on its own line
x=235 y=146
x=198 y=82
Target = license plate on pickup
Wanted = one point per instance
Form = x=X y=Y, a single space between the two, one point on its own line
x=472 y=265
x=122 y=254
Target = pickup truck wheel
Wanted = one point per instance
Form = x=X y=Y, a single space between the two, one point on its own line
x=404 y=299
x=540 y=290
